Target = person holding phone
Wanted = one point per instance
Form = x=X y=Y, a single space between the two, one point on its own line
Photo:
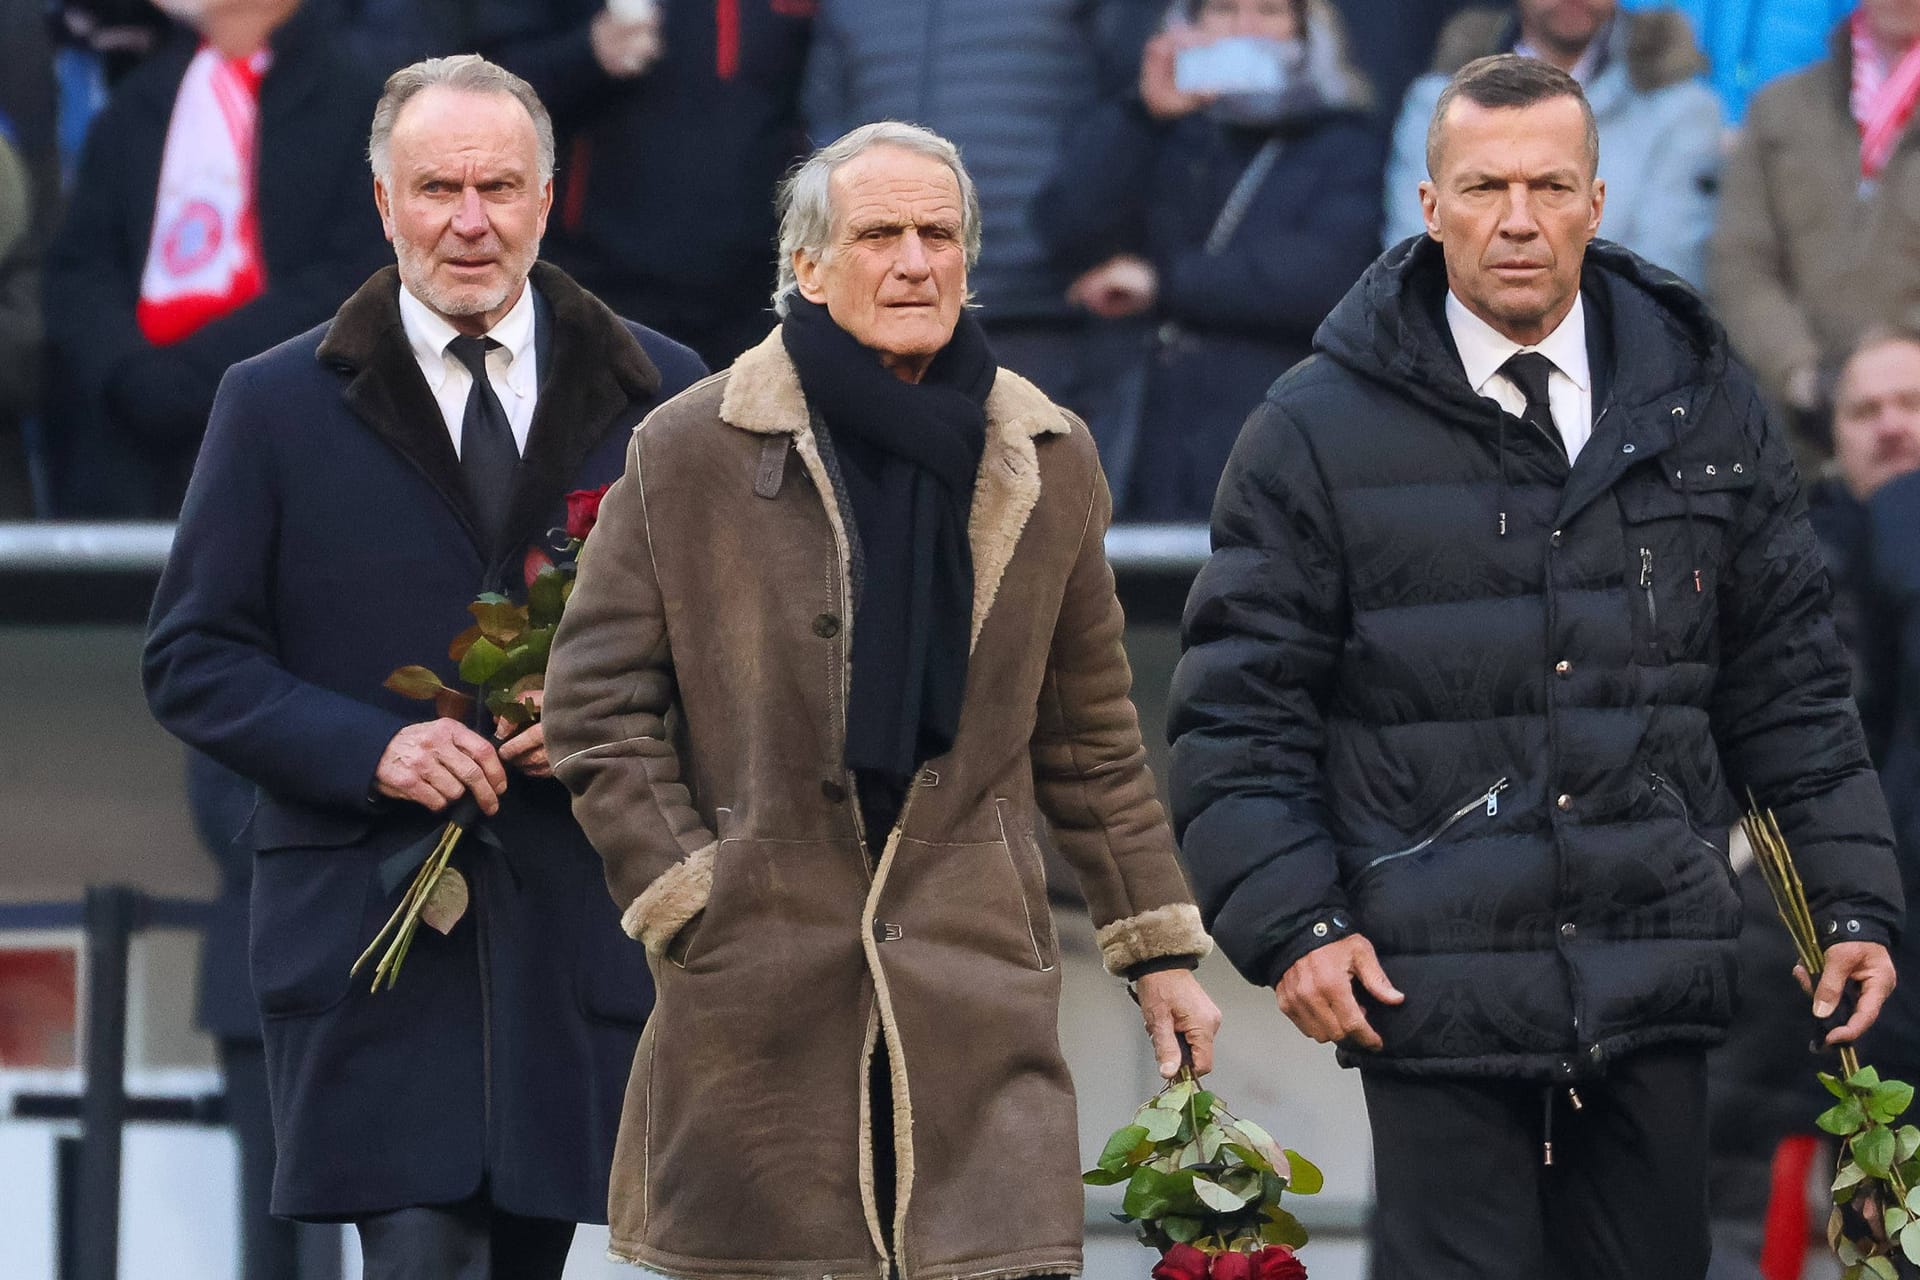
x=1229 y=203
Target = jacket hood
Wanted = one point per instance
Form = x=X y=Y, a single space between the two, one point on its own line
x=1391 y=327
x=1656 y=45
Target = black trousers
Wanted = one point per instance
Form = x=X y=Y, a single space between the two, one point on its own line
x=1462 y=1191
x=472 y=1240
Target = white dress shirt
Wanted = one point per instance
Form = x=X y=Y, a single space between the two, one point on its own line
x=510 y=366
x=1483 y=349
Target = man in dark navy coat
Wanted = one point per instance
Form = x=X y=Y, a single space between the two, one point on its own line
x=358 y=486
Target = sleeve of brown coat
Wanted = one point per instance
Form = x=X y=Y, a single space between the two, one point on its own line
x=1091 y=777
x=609 y=687
x=1747 y=264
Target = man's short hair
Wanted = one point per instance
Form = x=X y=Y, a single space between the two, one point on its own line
x=1508 y=80
x=805 y=201
x=469 y=73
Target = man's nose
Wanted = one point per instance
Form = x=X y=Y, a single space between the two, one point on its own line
x=470 y=217
x=912 y=260
x=1516 y=217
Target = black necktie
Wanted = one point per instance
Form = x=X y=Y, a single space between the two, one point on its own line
x=488 y=456
x=1528 y=371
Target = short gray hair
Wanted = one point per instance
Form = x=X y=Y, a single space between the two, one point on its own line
x=806 y=197
x=1508 y=80
x=469 y=73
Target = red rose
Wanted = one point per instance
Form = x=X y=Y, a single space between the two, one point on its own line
x=583 y=508
x=1277 y=1262
x=1233 y=1266
x=1182 y=1262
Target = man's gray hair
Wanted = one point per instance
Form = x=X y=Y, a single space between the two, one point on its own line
x=469 y=73
x=1507 y=80
x=806 y=197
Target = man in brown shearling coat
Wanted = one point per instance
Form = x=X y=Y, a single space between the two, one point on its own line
x=865 y=569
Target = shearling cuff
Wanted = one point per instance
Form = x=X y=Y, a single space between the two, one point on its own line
x=1172 y=930
x=670 y=901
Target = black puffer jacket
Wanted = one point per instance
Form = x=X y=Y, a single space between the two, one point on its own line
x=1511 y=759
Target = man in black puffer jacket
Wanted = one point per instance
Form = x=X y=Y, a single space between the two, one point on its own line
x=1513 y=593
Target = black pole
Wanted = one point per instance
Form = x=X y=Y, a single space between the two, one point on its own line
x=103 y=1107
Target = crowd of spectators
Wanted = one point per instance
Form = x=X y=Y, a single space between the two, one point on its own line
x=1155 y=254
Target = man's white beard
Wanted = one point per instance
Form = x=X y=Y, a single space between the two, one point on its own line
x=417 y=274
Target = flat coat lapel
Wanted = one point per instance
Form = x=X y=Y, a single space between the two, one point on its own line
x=763 y=395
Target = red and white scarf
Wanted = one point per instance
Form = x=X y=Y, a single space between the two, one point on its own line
x=204 y=258
x=1883 y=98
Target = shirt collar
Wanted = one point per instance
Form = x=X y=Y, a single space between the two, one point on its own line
x=428 y=334
x=1483 y=348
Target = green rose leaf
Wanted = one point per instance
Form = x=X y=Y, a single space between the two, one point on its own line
x=1209 y=1142
x=1248 y=1156
x=1159 y=1125
x=1282 y=1227
x=1874 y=1150
x=1145 y=1197
x=1120 y=1146
x=1182 y=1230
x=482 y=661
x=547 y=597
x=1913 y=1199
x=1881 y=1266
x=1906 y=1142
x=1217 y=1197
x=1105 y=1177
x=1864 y=1078
x=1849 y=1174
x=1840 y=1119
x=491 y=597
x=1910 y=1242
x=1202 y=1107
x=1896 y=1218
x=1832 y=1084
x=500 y=622
x=1888 y=1099
x=418 y=683
x=1848 y=1253
x=1304 y=1178
x=1175 y=1095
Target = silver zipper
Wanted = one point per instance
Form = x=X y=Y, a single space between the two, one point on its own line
x=1489 y=800
x=1661 y=784
x=1646 y=585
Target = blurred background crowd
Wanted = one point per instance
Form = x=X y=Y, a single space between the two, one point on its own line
x=1153 y=257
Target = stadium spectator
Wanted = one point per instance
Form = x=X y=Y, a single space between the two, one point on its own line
x=1392 y=43
x=1659 y=124
x=1234 y=223
x=19 y=330
x=676 y=122
x=1006 y=80
x=1751 y=43
x=251 y=128
x=1819 y=238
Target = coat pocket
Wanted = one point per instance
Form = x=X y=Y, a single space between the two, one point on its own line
x=1485 y=803
x=1675 y=518
x=313 y=908
x=1030 y=878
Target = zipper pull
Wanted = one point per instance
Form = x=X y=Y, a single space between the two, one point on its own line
x=1646 y=567
x=1697 y=588
x=1493 y=798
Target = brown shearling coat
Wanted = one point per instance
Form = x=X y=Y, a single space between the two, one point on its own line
x=716 y=585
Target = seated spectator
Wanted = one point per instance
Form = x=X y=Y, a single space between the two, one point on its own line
x=1751 y=43
x=676 y=122
x=1234 y=222
x=1006 y=80
x=1659 y=124
x=251 y=131
x=1818 y=238
x=19 y=330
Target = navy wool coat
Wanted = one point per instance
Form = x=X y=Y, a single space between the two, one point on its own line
x=326 y=540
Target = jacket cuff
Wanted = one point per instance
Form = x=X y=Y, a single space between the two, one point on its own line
x=680 y=894
x=1172 y=930
x=1836 y=927
x=1165 y=964
x=1330 y=924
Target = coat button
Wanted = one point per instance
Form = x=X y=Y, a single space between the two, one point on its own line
x=1562 y=667
x=1565 y=801
x=826 y=626
x=833 y=791
x=1557 y=538
x=1569 y=930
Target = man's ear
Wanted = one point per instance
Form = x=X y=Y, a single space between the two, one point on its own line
x=806 y=274
x=1599 y=205
x=384 y=203
x=1429 y=204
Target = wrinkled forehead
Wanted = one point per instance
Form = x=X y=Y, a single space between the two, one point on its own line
x=447 y=128
x=889 y=186
x=1517 y=144
x=1883 y=370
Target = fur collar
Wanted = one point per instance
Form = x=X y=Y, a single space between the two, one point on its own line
x=763 y=396
x=596 y=376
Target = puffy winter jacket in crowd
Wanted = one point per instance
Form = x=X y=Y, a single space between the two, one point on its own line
x=1493 y=712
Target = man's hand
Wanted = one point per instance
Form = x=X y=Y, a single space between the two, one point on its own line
x=1317 y=992
x=1122 y=286
x=1173 y=1004
x=435 y=763
x=625 y=48
x=1866 y=963
x=1157 y=90
x=526 y=750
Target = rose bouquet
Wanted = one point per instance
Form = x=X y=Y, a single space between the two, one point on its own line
x=504 y=656
x=1204 y=1187
x=1876 y=1189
